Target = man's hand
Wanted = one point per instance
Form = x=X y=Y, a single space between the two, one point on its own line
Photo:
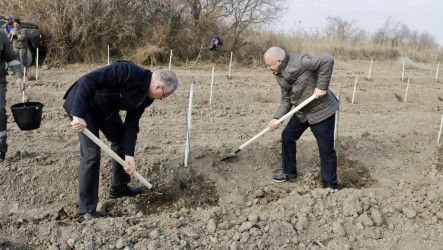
x=319 y=93
x=78 y=123
x=20 y=84
x=131 y=163
x=273 y=125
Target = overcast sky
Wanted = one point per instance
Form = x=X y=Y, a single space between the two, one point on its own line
x=418 y=15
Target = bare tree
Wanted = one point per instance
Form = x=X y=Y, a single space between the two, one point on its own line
x=240 y=15
x=343 y=30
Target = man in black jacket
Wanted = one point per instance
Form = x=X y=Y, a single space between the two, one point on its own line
x=94 y=101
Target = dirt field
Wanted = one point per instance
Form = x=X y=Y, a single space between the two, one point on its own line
x=390 y=169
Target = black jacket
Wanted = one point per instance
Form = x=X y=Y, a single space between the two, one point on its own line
x=106 y=91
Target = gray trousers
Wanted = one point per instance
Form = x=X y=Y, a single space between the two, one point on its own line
x=3 y=118
x=23 y=56
x=89 y=169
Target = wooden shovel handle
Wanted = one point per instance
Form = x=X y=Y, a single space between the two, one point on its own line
x=290 y=113
x=105 y=148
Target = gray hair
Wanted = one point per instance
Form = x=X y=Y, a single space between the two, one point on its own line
x=168 y=78
x=275 y=53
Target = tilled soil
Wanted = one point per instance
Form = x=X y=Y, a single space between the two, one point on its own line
x=389 y=169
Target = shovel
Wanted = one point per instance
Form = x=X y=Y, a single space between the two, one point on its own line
x=103 y=146
x=290 y=113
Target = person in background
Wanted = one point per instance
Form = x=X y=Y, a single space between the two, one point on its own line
x=19 y=38
x=300 y=76
x=94 y=102
x=8 y=25
x=7 y=55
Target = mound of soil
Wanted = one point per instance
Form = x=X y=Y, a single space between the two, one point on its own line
x=389 y=169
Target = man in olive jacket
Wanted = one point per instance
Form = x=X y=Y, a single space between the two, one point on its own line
x=94 y=102
x=300 y=76
x=19 y=38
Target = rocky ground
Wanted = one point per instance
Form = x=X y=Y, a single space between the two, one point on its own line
x=389 y=166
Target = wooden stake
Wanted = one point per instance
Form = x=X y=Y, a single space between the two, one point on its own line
x=24 y=81
x=407 y=87
x=170 y=60
x=337 y=116
x=403 y=72
x=230 y=64
x=36 y=66
x=439 y=132
x=370 y=70
x=436 y=73
x=188 y=134
x=212 y=83
x=355 y=86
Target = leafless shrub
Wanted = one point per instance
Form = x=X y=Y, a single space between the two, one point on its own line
x=146 y=30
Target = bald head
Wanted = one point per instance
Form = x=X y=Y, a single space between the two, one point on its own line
x=274 y=56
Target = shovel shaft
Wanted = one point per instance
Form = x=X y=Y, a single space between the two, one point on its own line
x=290 y=113
x=105 y=148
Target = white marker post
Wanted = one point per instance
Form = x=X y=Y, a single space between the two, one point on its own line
x=370 y=70
x=188 y=134
x=436 y=73
x=407 y=87
x=24 y=81
x=36 y=66
x=230 y=65
x=403 y=72
x=108 y=54
x=170 y=60
x=355 y=86
x=212 y=83
x=337 y=116
x=439 y=132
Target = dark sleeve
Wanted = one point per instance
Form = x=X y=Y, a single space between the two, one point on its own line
x=10 y=56
x=114 y=75
x=131 y=129
x=321 y=63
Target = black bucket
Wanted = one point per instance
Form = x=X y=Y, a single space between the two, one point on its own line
x=28 y=115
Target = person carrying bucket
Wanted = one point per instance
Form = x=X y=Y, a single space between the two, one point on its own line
x=94 y=102
x=8 y=56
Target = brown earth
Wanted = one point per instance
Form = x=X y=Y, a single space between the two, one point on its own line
x=389 y=166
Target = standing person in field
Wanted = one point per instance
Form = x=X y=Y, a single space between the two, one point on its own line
x=8 y=26
x=7 y=55
x=300 y=76
x=94 y=102
x=19 y=38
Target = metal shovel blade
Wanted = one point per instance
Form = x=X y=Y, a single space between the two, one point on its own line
x=156 y=191
x=232 y=154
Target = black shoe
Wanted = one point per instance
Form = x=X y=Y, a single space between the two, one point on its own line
x=281 y=177
x=2 y=156
x=124 y=190
x=87 y=216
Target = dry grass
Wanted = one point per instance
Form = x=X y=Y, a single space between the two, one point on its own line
x=145 y=32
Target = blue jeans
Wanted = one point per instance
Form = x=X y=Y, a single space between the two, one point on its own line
x=324 y=134
x=89 y=169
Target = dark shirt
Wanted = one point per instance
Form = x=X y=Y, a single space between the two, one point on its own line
x=106 y=91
